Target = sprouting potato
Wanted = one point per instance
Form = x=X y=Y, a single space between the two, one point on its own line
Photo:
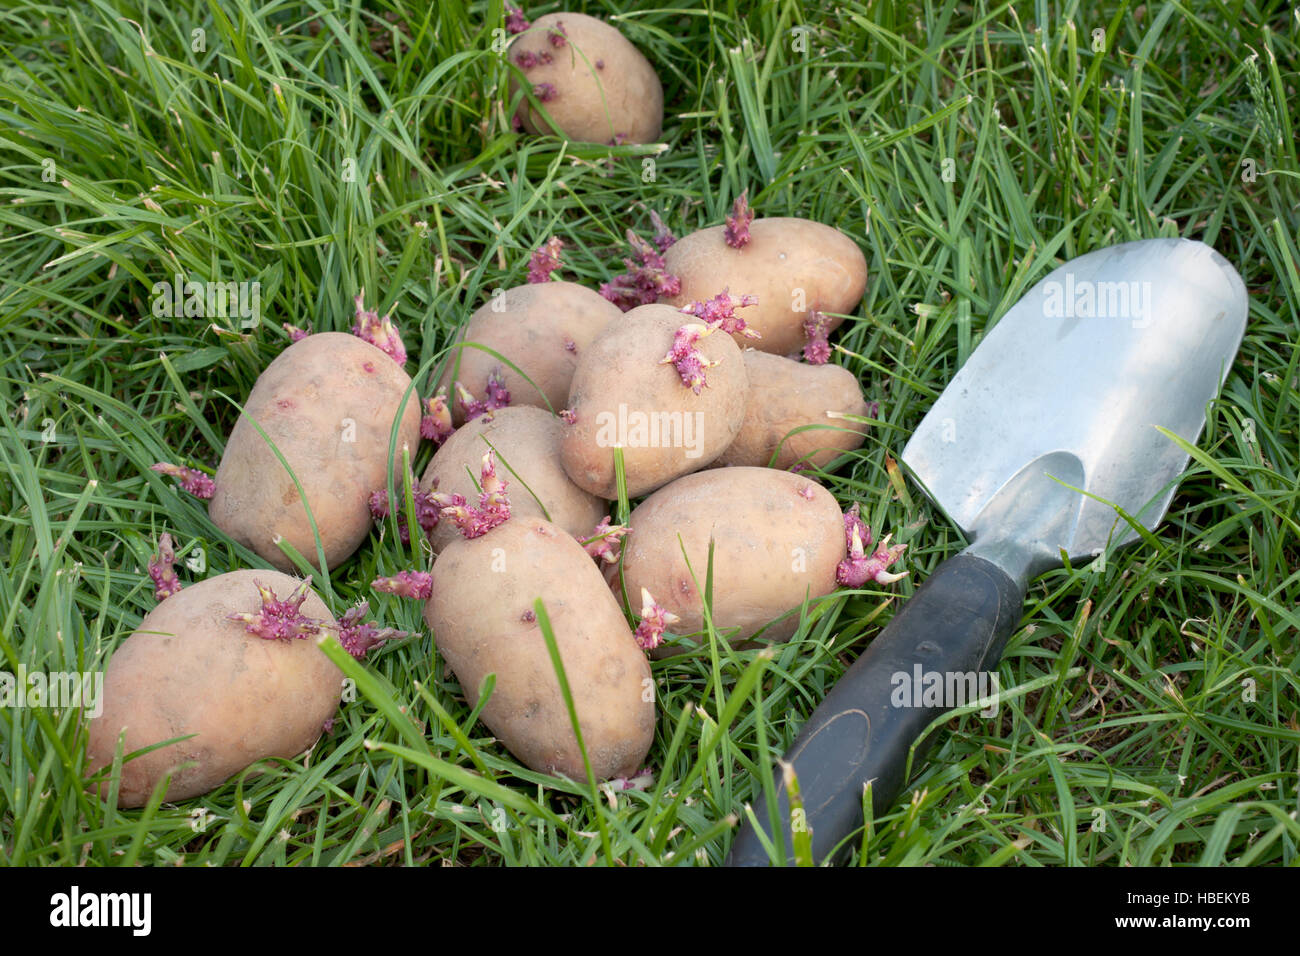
x=482 y=617
x=796 y=412
x=801 y=272
x=527 y=445
x=596 y=86
x=777 y=539
x=328 y=402
x=189 y=669
x=540 y=328
x=668 y=389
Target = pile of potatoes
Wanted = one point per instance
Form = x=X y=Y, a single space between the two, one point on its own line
x=701 y=395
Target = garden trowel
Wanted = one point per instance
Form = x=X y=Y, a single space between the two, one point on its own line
x=1043 y=442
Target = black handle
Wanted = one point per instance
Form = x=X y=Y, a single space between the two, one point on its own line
x=956 y=624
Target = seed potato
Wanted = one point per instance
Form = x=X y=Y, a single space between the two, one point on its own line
x=623 y=393
x=481 y=615
x=527 y=445
x=785 y=395
x=187 y=669
x=542 y=328
x=596 y=86
x=777 y=537
x=328 y=402
x=793 y=266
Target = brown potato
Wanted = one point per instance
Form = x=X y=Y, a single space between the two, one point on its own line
x=793 y=266
x=527 y=445
x=785 y=395
x=542 y=328
x=596 y=86
x=328 y=403
x=777 y=537
x=481 y=615
x=187 y=669
x=624 y=394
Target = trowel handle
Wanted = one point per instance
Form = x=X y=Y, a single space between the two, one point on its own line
x=956 y=624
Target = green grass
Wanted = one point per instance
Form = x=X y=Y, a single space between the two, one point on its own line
x=1151 y=712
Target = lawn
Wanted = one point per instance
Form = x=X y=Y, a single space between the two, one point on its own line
x=1150 y=712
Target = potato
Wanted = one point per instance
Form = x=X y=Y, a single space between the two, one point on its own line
x=527 y=445
x=188 y=669
x=785 y=395
x=481 y=615
x=596 y=86
x=543 y=328
x=778 y=537
x=624 y=394
x=793 y=266
x=328 y=403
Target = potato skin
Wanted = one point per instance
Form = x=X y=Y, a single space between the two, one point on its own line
x=785 y=395
x=301 y=402
x=771 y=546
x=543 y=328
x=483 y=593
x=604 y=88
x=189 y=670
x=621 y=381
x=527 y=442
x=783 y=254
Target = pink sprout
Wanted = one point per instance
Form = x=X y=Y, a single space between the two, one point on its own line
x=516 y=22
x=687 y=359
x=663 y=235
x=295 y=334
x=381 y=333
x=359 y=637
x=646 y=279
x=655 y=620
x=544 y=92
x=859 y=567
x=417 y=585
x=557 y=35
x=807 y=493
x=192 y=480
x=278 y=620
x=816 y=327
x=720 y=312
x=165 y=581
x=436 y=424
x=427 y=512
x=568 y=415
x=527 y=59
x=545 y=260
x=604 y=541
x=493 y=504
x=570 y=345
x=643 y=779
x=498 y=396
x=736 y=233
